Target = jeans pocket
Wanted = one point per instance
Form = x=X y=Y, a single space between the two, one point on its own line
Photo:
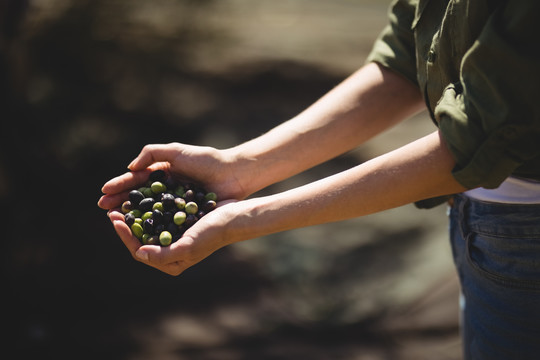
x=509 y=261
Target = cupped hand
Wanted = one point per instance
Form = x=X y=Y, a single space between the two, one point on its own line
x=214 y=169
x=206 y=236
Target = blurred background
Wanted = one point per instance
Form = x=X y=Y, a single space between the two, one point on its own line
x=85 y=84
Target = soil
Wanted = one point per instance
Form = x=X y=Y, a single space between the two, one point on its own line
x=85 y=84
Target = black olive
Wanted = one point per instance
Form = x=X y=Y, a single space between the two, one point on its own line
x=157 y=175
x=129 y=218
x=189 y=195
x=158 y=229
x=148 y=226
x=168 y=201
x=172 y=228
x=190 y=220
x=146 y=204
x=157 y=216
x=168 y=217
x=135 y=197
x=199 y=196
x=209 y=205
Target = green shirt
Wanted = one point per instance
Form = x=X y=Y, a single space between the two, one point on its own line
x=477 y=64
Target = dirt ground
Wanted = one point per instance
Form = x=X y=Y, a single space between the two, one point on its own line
x=85 y=84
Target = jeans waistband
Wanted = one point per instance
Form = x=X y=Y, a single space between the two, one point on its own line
x=498 y=218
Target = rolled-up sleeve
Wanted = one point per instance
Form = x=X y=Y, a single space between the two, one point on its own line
x=491 y=118
x=395 y=46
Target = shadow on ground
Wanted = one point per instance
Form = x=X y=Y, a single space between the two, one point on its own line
x=84 y=86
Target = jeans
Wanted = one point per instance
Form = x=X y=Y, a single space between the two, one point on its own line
x=496 y=249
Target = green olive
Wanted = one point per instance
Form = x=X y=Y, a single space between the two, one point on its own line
x=211 y=196
x=145 y=237
x=192 y=208
x=148 y=192
x=158 y=205
x=158 y=187
x=146 y=215
x=180 y=191
x=180 y=203
x=165 y=238
x=135 y=212
x=179 y=218
x=137 y=230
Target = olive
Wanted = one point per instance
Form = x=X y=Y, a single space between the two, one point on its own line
x=190 y=220
x=137 y=230
x=165 y=238
x=157 y=216
x=209 y=205
x=168 y=201
x=172 y=228
x=129 y=218
x=179 y=218
x=146 y=204
x=127 y=206
x=168 y=217
x=144 y=238
x=170 y=183
x=211 y=196
x=158 y=229
x=148 y=192
x=135 y=196
x=199 y=196
x=180 y=203
x=148 y=226
x=157 y=175
x=137 y=213
x=179 y=190
x=153 y=240
x=158 y=187
x=200 y=214
x=189 y=195
x=158 y=205
x=191 y=207
x=146 y=215
x=138 y=221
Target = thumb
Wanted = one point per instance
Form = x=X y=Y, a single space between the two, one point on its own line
x=154 y=153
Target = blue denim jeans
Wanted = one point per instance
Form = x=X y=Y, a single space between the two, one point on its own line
x=496 y=250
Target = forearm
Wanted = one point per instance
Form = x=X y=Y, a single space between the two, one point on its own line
x=365 y=104
x=416 y=171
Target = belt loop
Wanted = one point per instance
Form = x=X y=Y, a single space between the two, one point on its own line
x=463 y=215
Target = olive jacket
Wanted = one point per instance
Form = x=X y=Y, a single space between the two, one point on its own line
x=477 y=65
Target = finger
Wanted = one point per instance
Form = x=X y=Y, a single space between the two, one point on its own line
x=124 y=182
x=151 y=154
x=112 y=201
x=177 y=253
x=161 y=258
x=124 y=232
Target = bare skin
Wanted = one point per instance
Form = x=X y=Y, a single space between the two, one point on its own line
x=368 y=102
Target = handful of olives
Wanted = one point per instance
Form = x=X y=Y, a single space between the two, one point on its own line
x=159 y=212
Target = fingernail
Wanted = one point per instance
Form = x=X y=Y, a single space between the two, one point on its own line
x=143 y=255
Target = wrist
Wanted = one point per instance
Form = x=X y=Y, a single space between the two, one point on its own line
x=245 y=170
